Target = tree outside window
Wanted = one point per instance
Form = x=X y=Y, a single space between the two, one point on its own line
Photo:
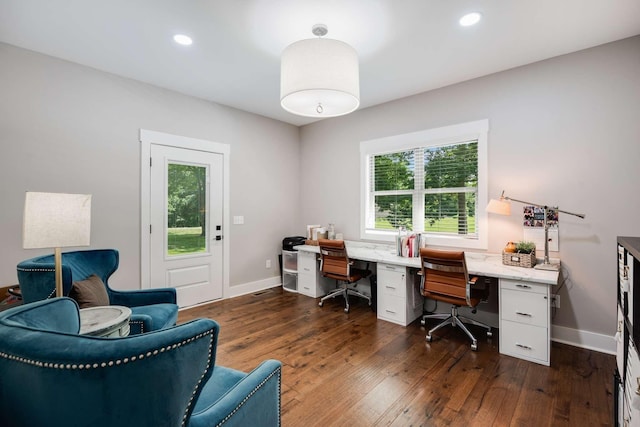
x=439 y=198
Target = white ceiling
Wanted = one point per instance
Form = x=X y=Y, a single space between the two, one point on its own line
x=405 y=46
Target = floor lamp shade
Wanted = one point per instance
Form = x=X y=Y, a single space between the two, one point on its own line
x=56 y=220
x=319 y=78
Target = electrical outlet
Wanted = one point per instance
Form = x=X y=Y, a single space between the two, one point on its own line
x=268 y=264
x=555 y=301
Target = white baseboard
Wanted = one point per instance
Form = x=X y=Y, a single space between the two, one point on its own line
x=584 y=339
x=251 y=287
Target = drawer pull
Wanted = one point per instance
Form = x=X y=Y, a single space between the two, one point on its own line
x=523 y=314
x=390 y=311
x=306 y=269
x=390 y=287
x=523 y=286
x=526 y=347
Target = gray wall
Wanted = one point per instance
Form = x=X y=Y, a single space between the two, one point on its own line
x=565 y=132
x=70 y=128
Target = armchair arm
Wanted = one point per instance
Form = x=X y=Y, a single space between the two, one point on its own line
x=142 y=297
x=252 y=401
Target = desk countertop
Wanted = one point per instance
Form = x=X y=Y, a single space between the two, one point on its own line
x=478 y=263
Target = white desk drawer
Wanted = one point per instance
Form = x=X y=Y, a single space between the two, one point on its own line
x=392 y=308
x=391 y=280
x=307 y=262
x=524 y=286
x=307 y=284
x=524 y=341
x=524 y=307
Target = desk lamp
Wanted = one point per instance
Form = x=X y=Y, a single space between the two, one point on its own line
x=56 y=220
x=503 y=207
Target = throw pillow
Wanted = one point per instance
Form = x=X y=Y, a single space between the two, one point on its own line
x=90 y=292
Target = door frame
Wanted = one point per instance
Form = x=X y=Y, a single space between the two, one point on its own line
x=149 y=137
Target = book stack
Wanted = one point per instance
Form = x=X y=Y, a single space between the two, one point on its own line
x=409 y=245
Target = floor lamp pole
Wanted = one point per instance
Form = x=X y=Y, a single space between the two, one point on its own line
x=57 y=255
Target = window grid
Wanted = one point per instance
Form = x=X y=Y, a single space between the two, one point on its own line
x=408 y=188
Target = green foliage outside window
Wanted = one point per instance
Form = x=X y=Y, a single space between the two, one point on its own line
x=450 y=182
x=186 y=209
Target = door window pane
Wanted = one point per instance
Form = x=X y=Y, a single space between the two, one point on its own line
x=186 y=209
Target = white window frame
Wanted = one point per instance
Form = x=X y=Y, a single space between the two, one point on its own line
x=447 y=135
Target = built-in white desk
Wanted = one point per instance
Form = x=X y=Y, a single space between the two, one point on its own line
x=524 y=294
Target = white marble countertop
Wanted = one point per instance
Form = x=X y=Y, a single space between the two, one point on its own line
x=481 y=264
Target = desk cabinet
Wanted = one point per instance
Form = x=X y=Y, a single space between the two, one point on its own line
x=627 y=375
x=290 y=271
x=525 y=320
x=398 y=298
x=310 y=281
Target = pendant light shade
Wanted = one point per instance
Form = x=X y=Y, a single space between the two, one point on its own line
x=319 y=78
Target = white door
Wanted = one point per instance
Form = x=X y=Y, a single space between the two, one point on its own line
x=186 y=200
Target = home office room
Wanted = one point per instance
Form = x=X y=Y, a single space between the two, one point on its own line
x=335 y=213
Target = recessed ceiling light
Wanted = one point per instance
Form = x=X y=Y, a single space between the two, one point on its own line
x=182 y=39
x=470 y=19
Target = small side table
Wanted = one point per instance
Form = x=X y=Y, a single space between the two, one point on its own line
x=10 y=296
x=111 y=321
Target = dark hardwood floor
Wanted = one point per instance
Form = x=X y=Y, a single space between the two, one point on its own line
x=354 y=370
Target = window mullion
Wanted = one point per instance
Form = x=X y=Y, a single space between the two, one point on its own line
x=418 y=190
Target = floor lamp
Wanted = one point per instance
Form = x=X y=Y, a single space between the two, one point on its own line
x=56 y=220
x=503 y=207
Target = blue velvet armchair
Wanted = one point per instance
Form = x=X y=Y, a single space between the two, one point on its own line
x=152 y=309
x=51 y=376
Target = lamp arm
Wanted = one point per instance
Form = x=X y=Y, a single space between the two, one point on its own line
x=544 y=206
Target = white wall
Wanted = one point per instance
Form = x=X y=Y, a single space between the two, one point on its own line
x=564 y=131
x=69 y=128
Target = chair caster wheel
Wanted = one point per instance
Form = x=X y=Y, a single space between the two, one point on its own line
x=320 y=303
x=429 y=338
x=489 y=333
x=474 y=346
x=346 y=310
x=422 y=322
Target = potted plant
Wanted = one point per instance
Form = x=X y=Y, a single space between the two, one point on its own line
x=524 y=247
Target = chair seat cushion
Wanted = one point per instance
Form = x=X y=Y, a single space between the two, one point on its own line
x=451 y=300
x=162 y=315
x=222 y=380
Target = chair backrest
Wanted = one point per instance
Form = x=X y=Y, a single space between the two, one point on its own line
x=37 y=275
x=334 y=259
x=444 y=273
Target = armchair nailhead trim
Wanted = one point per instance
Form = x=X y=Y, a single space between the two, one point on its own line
x=45 y=270
x=109 y=363
x=237 y=408
x=198 y=384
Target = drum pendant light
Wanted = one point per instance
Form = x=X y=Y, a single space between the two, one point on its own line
x=319 y=77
